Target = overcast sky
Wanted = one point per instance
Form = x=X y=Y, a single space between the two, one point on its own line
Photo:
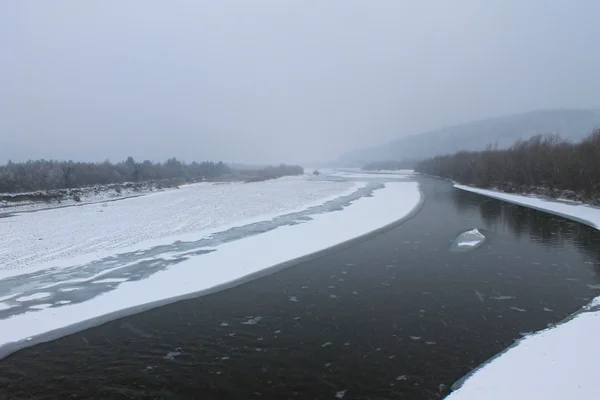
x=271 y=81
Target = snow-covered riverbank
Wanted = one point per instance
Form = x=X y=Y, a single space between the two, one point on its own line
x=556 y=363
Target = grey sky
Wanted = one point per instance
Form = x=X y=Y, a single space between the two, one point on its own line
x=270 y=81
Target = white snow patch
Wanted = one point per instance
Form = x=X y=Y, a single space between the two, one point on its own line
x=35 y=296
x=231 y=261
x=578 y=211
x=110 y=280
x=41 y=306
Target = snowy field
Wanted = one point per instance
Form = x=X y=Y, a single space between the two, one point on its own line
x=556 y=363
x=93 y=261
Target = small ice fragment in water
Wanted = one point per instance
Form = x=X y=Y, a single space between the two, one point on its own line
x=293 y=299
x=278 y=331
x=415 y=337
x=224 y=324
x=354 y=292
x=402 y=378
x=297 y=318
x=517 y=309
x=467 y=241
x=340 y=394
x=304 y=287
x=172 y=354
x=392 y=357
x=326 y=344
x=232 y=334
x=479 y=295
x=594 y=286
x=347 y=344
x=430 y=343
x=327 y=365
x=548 y=309
x=333 y=296
x=225 y=358
x=252 y=321
x=502 y=297
x=378 y=349
x=344 y=272
x=331 y=287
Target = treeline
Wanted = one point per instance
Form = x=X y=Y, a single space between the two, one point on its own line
x=270 y=172
x=545 y=165
x=390 y=165
x=48 y=175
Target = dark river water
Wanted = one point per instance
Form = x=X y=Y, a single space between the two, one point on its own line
x=397 y=316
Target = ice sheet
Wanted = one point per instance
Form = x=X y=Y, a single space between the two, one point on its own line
x=31 y=241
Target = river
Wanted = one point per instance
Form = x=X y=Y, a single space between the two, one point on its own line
x=397 y=315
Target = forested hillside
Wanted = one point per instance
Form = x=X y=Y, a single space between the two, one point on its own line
x=572 y=125
x=546 y=165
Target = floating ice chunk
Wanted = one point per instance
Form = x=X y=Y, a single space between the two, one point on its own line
x=548 y=309
x=340 y=394
x=594 y=286
x=293 y=299
x=224 y=324
x=333 y=296
x=500 y=297
x=402 y=378
x=479 y=295
x=34 y=296
x=252 y=321
x=326 y=344
x=468 y=241
x=518 y=309
x=415 y=337
x=172 y=354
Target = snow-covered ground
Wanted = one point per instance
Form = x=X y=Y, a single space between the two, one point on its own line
x=556 y=363
x=580 y=212
x=197 y=238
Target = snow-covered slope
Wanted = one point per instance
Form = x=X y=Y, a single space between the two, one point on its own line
x=557 y=363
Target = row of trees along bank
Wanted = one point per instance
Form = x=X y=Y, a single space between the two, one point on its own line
x=545 y=165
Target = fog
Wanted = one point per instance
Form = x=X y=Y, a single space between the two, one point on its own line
x=278 y=81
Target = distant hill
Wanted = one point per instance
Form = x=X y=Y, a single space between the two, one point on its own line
x=570 y=124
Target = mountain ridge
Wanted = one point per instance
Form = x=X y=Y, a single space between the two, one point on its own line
x=570 y=124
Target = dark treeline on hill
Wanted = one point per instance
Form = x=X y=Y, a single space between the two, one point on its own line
x=545 y=165
x=48 y=175
x=389 y=165
x=43 y=175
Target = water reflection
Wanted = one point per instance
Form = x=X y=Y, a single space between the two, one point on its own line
x=538 y=226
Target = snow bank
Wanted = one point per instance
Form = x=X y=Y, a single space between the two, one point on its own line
x=556 y=363
x=228 y=263
x=568 y=209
